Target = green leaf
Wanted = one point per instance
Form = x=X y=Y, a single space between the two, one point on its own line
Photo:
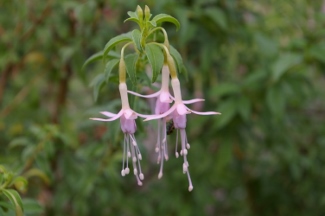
x=218 y=16
x=165 y=18
x=130 y=64
x=15 y=199
x=116 y=40
x=318 y=52
x=109 y=67
x=94 y=57
x=178 y=59
x=133 y=17
x=136 y=36
x=156 y=59
x=97 y=84
x=283 y=63
x=21 y=141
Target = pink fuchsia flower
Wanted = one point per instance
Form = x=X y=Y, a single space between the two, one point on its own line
x=164 y=98
x=130 y=147
x=178 y=112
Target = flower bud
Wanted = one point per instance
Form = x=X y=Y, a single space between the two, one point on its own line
x=147 y=14
x=140 y=13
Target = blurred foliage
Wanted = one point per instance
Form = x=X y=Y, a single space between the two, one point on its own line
x=260 y=63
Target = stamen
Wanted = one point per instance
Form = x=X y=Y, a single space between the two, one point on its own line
x=176 y=145
x=141 y=176
x=188 y=146
x=123 y=172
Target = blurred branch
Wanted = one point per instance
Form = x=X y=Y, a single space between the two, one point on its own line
x=3 y=79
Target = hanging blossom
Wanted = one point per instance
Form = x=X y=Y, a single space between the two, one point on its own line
x=178 y=113
x=130 y=147
x=163 y=100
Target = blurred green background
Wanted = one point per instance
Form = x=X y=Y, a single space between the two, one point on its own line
x=260 y=63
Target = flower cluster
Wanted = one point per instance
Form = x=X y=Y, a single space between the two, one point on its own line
x=169 y=107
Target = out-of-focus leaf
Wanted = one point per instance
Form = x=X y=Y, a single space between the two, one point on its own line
x=244 y=107
x=283 y=63
x=130 y=64
x=20 y=183
x=224 y=89
x=136 y=36
x=156 y=59
x=266 y=45
x=160 y=18
x=228 y=110
x=15 y=199
x=275 y=100
x=37 y=173
x=97 y=84
x=32 y=207
x=318 y=52
x=109 y=67
x=21 y=141
x=116 y=40
x=218 y=16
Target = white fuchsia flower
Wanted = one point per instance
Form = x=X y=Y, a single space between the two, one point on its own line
x=130 y=148
x=178 y=112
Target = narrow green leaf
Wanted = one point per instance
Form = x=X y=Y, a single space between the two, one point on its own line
x=109 y=67
x=94 y=57
x=115 y=40
x=165 y=18
x=218 y=16
x=15 y=199
x=283 y=63
x=97 y=83
x=178 y=59
x=130 y=63
x=136 y=36
x=155 y=58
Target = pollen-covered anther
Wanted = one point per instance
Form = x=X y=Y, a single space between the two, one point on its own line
x=140 y=156
x=184 y=151
x=134 y=159
x=127 y=170
x=188 y=146
x=141 y=176
x=135 y=171
x=181 y=152
x=176 y=154
x=129 y=154
x=123 y=172
x=190 y=188
x=160 y=175
x=134 y=143
x=157 y=149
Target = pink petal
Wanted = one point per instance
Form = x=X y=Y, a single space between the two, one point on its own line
x=205 y=113
x=145 y=96
x=152 y=117
x=193 y=101
x=182 y=109
x=118 y=115
x=108 y=114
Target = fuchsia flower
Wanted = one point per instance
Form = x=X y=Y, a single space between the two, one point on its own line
x=178 y=112
x=130 y=149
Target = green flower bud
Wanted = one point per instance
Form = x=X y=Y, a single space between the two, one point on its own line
x=140 y=13
x=147 y=14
